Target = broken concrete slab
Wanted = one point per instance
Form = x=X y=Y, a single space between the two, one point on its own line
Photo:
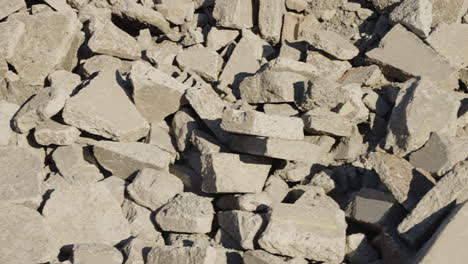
x=183 y=255
x=186 y=213
x=416 y=15
x=320 y=92
x=163 y=54
x=367 y=76
x=431 y=209
x=160 y=136
x=9 y=7
x=280 y=109
x=270 y=19
x=448 y=11
x=54 y=30
x=183 y=124
x=324 y=179
x=312 y=196
x=359 y=250
x=192 y=240
x=376 y=103
x=243 y=227
x=402 y=55
x=141 y=224
x=54 y=133
x=104 y=220
x=124 y=159
x=259 y=124
x=22 y=174
x=95 y=253
x=203 y=61
x=440 y=153
x=293 y=171
x=8 y=44
x=236 y=14
x=324 y=122
x=349 y=148
x=108 y=39
x=413 y=118
x=92 y=111
x=333 y=69
x=227 y=172
x=205 y=143
x=24 y=230
x=176 y=12
x=7 y=112
x=116 y=187
x=218 y=38
x=406 y=184
x=304 y=224
x=330 y=42
x=153 y=188
x=444 y=40
x=156 y=94
x=98 y=63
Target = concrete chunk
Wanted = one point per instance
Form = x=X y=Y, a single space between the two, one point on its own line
x=416 y=15
x=160 y=136
x=260 y=124
x=270 y=19
x=8 y=41
x=92 y=110
x=280 y=109
x=243 y=227
x=332 y=69
x=402 y=55
x=141 y=224
x=7 y=112
x=330 y=42
x=101 y=62
x=233 y=13
x=233 y=173
x=186 y=213
x=177 y=11
x=445 y=39
x=203 y=61
x=448 y=11
x=95 y=253
x=324 y=122
x=248 y=202
x=316 y=233
x=428 y=213
x=218 y=38
x=406 y=184
x=367 y=76
x=183 y=255
x=54 y=133
x=320 y=92
x=152 y=188
x=8 y=7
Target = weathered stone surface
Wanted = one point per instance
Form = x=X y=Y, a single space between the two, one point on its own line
x=444 y=40
x=141 y=224
x=447 y=11
x=155 y=93
x=97 y=208
x=270 y=19
x=416 y=15
x=325 y=180
x=445 y=244
x=248 y=202
x=322 y=121
x=296 y=5
x=313 y=196
x=406 y=184
x=24 y=230
x=186 y=213
x=108 y=39
x=276 y=188
x=332 y=69
x=205 y=143
x=233 y=14
x=440 y=153
x=428 y=213
x=413 y=118
x=7 y=112
x=349 y=148
x=330 y=42
x=54 y=133
x=9 y=7
x=366 y=75
x=402 y=54
x=233 y=173
x=316 y=233
x=260 y=124
x=280 y=109
x=177 y=11
x=183 y=125
x=376 y=103
x=95 y=253
x=218 y=38
x=92 y=110
x=183 y=255
x=53 y=30
x=192 y=240
x=153 y=188
x=243 y=227
x=101 y=62
x=22 y=174
x=261 y=257
x=159 y=136
x=116 y=187
x=359 y=250
x=8 y=44
x=320 y=92
x=124 y=159
x=203 y=61
x=385 y=5
x=295 y=150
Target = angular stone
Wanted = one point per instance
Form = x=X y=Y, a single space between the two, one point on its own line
x=53 y=30
x=203 y=61
x=296 y=5
x=324 y=122
x=101 y=62
x=325 y=180
x=248 y=202
x=416 y=15
x=186 y=213
x=218 y=38
x=205 y=143
x=350 y=148
x=233 y=173
x=8 y=44
x=21 y=172
x=280 y=109
x=103 y=108
x=440 y=153
x=270 y=19
x=413 y=118
x=116 y=187
x=95 y=253
x=367 y=76
x=155 y=93
x=401 y=54
x=406 y=184
x=428 y=213
x=7 y=112
x=376 y=103
x=108 y=39
x=54 y=133
x=330 y=42
x=445 y=244
x=233 y=13
x=320 y=92
x=292 y=171
x=9 y=7
x=359 y=250
x=177 y=11
x=141 y=224
x=262 y=257
x=152 y=188
x=24 y=230
x=448 y=11
x=99 y=211
x=444 y=40
x=316 y=233
x=160 y=137
x=183 y=255
x=136 y=250
x=293 y=150
x=313 y=196
x=332 y=69
x=243 y=227
x=183 y=125
x=259 y=124
x=124 y=159
x=374 y=209
x=164 y=53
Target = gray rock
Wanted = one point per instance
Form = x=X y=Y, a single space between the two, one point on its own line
x=183 y=124
x=280 y=109
x=243 y=227
x=219 y=38
x=205 y=143
x=186 y=213
x=160 y=136
x=367 y=76
x=9 y=7
x=270 y=19
x=376 y=103
x=7 y=112
x=176 y=12
x=248 y=202
x=320 y=92
x=103 y=108
x=448 y=11
x=95 y=253
x=101 y=62
x=325 y=180
x=416 y=15
x=313 y=196
x=330 y=42
x=183 y=255
x=54 y=133
x=234 y=173
x=203 y=61
x=324 y=122
x=444 y=38
x=8 y=44
x=233 y=14
x=332 y=69
x=163 y=54
x=276 y=188
x=349 y=148
x=141 y=224
x=359 y=250
x=296 y=5
x=262 y=257
x=116 y=187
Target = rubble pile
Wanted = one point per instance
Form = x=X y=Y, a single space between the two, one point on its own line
x=233 y=131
